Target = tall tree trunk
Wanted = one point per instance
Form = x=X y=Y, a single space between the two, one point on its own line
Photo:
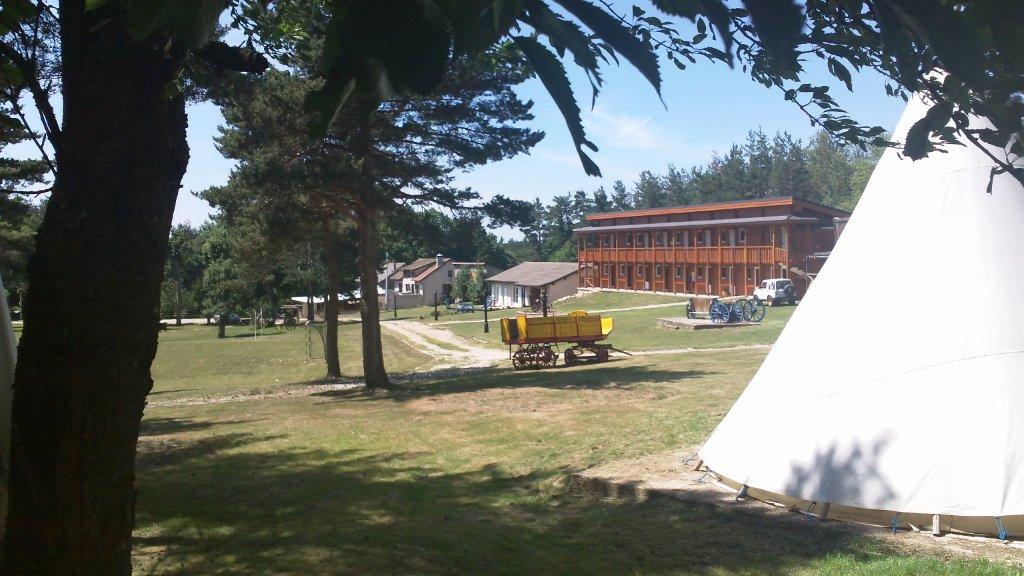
x=222 y=325
x=331 y=301
x=373 y=354
x=93 y=303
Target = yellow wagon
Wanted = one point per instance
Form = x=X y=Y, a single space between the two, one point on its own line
x=537 y=338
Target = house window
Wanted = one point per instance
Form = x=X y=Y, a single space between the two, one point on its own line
x=628 y=240
x=606 y=241
x=659 y=239
x=639 y=269
x=606 y=269
x=622 y=269
x=450 y=273
x=641 y=240
x=742 y=234
x=591 y=241
x=700 y=272
x=679 y=271
x=657 y=270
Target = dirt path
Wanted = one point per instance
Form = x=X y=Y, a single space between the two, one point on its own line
x=450 y=349
x=673 y=475
x=647 y=307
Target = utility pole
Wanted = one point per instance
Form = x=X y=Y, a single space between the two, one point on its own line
x=487 y=325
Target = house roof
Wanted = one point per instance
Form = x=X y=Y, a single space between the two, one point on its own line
x=794 y=201
x=411 y=266
x=389 y=269
x=433 y=268
x=534 y=274
x=696 y=224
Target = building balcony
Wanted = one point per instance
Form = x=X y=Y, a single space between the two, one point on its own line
x=712 y=255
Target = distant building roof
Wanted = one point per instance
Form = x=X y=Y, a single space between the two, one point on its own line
x=534 y=274
x=696 y=223
x=389 y=269
x=794 y=201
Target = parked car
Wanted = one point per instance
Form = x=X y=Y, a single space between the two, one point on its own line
x=232 y=319
x=776 y=291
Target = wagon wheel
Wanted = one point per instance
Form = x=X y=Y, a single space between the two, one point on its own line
x=550 y=357
x=756 y=308
x=719 y=313
x=602 y=354
x=518 y=360
x=290 y=323
x=689 y=309
x=570 y=357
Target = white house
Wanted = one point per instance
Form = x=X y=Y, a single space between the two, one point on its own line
x=427 y=275
x=522 y=285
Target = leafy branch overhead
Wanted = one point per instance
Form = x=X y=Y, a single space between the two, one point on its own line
x=975 y=44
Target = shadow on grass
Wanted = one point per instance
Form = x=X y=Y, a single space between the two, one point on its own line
x=226 y=504
x=608 y=375
x=162 y=426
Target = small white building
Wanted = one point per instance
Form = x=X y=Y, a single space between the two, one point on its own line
x=521 y=285
x=428 y=275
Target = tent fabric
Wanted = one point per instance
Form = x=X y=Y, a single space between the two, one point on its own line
x=896 y=387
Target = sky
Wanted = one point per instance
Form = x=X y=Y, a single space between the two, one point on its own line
x=704 y=109
x=707 y=108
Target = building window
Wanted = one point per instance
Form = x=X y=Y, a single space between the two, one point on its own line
x=639 y=269
x=700 y=272
x=742 y=236
x=606 y=241
x=628 y=240
x=657 y=270
x=591 y=241
x=622 y=269
x=679 y=271
x=659 y=239
x=606 y=269
x=641 y=240
x=449 y=273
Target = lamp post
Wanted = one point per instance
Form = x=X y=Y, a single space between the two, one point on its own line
x=544 y=302
x=487 y=325
x=435 y=306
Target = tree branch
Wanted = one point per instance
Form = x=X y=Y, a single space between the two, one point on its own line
x=39 y=95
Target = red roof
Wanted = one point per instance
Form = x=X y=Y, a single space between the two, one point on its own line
x=792 y=201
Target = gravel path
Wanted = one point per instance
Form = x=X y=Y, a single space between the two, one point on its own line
x=457 y=352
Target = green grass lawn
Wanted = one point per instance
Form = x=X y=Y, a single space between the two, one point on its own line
x=192 y=361
x=463 y=475
x=637 y=330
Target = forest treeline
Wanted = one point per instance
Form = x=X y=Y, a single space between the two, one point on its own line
x=823 y=170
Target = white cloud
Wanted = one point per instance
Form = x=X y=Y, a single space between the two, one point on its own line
x=622 y=130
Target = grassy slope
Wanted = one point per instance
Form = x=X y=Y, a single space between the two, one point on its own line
x=192 y=361
x=465 y=475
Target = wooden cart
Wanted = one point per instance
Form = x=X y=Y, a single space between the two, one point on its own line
x=536 y=339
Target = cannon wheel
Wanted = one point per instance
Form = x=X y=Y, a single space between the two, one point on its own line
x=756 y=310
x=719 y=313
x=739 y=311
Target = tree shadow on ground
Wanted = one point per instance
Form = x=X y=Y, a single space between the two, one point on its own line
x=228 y=503
x=164 y=426
x=605 y=376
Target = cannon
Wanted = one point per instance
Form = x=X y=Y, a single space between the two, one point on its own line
x=725 y=310
x=536 y=339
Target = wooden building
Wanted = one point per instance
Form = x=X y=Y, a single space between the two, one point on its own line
x=724 y=248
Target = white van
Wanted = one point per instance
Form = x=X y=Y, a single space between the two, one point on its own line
x=776 y=291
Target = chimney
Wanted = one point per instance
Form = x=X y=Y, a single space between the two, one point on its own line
x=440 y=260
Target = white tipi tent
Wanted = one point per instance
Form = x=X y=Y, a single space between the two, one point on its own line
x=896 y=391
